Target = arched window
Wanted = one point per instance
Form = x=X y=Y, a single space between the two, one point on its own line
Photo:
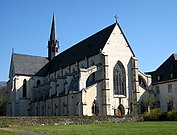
x=24 y=88
x=119 y=78
x=38 y=82
x=142 y=82
x=93 y=74
x=74 y=84
x=91 y=79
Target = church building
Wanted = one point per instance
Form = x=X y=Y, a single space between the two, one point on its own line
x=98 y=76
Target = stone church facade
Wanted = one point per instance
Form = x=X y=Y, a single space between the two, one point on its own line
x=97 y=76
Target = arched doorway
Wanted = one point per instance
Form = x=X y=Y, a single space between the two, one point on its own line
x=119 y=111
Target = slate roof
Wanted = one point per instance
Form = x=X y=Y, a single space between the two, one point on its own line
x=86 y=48
x=34 y=65
x=165 y=70
x=29 y=65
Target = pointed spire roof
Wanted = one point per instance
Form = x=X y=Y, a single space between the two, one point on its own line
x=53 y=34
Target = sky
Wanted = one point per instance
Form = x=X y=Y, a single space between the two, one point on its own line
x=149 y=25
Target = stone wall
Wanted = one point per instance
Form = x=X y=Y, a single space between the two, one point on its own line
x=64 y=120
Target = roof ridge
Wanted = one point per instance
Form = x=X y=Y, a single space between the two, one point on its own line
x=20 y=54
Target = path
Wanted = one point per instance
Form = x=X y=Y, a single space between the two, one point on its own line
x=24 y=132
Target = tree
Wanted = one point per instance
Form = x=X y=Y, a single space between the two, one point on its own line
x=2 y=99
x=150 y=100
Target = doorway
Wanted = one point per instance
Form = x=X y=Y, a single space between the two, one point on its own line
x=119 y=111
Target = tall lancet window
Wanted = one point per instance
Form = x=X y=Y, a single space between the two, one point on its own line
x=119 y=78
x=24 y=88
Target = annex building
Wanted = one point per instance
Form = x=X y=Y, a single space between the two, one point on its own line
x=97 y=76
x=164 y=84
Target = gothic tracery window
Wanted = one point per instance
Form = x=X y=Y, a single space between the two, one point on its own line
x=119 y=79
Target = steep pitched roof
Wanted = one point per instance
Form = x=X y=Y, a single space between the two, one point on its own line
x=165 y=69
x=29 y=65
x=168 y=62
x=86 y=48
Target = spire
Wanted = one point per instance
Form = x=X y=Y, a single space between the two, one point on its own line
x=53 y=43
x=53 y=35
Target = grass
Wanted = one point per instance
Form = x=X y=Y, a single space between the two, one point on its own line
x=133 y=128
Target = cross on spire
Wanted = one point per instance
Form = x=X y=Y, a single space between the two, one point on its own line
x=116 y=18
x=12 y=50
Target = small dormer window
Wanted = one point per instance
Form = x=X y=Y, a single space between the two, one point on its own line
x=158 y=78
x=171 y=76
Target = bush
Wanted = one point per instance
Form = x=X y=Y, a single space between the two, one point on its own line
x=172 y=115
x=154 y=114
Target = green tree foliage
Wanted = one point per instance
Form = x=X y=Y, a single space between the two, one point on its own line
x=2 y=100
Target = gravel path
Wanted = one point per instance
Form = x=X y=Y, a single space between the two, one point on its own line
x=24 y=132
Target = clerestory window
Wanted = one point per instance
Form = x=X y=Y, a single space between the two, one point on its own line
x=24 y=88
x=119 y=79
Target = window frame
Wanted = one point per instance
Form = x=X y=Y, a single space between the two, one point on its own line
x=170 y=88
x=24 y=92
x=119 y=79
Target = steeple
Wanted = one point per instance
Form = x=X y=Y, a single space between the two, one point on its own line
x=53 y=35
x=53 y=43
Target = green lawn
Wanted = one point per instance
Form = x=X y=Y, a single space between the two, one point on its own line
x=133 y=128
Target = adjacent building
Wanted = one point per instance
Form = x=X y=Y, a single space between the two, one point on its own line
x=164 y=84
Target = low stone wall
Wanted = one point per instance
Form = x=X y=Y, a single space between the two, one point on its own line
x=63 y=120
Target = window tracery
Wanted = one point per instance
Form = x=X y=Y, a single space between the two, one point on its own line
x=119 y=79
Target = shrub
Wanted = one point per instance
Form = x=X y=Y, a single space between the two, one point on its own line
x=172 y=115
x=154 y=114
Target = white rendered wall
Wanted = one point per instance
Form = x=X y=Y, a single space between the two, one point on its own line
x=164 y=96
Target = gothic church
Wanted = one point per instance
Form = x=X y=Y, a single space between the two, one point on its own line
x=97 y=76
